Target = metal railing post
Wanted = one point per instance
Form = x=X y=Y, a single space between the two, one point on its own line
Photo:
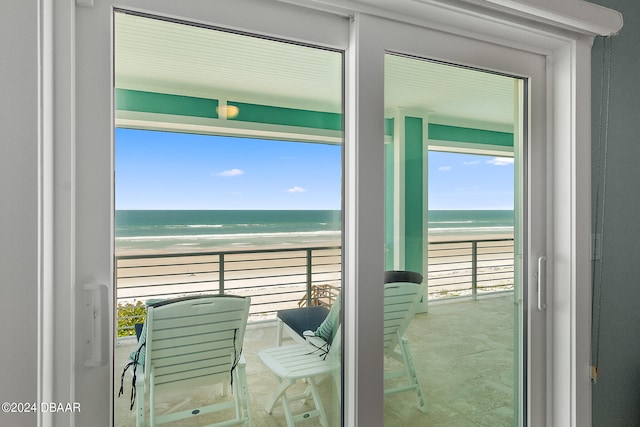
x=221 y=274
x=309 y=273
x=474 y=270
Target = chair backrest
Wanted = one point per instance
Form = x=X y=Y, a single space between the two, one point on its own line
x=195 y=339
x=391 y=276
x=400 y=303
x=328 y=329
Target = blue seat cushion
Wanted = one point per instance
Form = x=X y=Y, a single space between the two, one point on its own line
x=304 y=318
x=138 y=329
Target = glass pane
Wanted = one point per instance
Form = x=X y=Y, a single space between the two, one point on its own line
x=453 y=206
x=228 y=159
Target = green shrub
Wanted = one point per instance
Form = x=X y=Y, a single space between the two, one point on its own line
x=128 y=315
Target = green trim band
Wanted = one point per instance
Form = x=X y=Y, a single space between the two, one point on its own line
x=153 y=102
x=256 y=113
x=461 y=134
x=476 y=136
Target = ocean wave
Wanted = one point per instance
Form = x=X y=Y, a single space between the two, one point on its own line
x=227 y=236
x=469 y=230
x=453 y=222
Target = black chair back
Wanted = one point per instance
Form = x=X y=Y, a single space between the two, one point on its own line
x=392 y=276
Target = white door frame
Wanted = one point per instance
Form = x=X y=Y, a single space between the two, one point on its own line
x=81 y=364
x=562 y=32
x=430 y=44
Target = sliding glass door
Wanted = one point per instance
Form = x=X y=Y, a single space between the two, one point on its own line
x=462 y=143
x=228 y=182
x=224 y=134
x=391 y=140
x=453 y=214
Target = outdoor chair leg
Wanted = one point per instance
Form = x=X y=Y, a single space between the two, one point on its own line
x=318 y=402
x=279 y=331
x=412 y=375
x=244 y=393
x=288 y=415
x=280 y=392
x=140 y=422
x=311 y=390
x=318 y=411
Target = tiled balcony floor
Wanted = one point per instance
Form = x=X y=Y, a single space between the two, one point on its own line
x=463 y=353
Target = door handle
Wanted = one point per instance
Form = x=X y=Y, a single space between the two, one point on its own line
x=542 y=283
x=97 y=338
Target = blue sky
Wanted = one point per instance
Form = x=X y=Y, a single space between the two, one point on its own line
x=160 y=170
x=465 y=181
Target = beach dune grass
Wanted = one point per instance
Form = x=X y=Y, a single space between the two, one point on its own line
x=128 y=315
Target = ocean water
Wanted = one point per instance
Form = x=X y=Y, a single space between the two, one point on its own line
x=176 y=230
x=470 y=222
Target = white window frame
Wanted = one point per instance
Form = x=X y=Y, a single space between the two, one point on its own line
x=562 y=31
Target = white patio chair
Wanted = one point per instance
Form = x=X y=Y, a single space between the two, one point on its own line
x=291 y=363
x=310 y=362
x=400 y=303
x=294 y=321
x=190 y=342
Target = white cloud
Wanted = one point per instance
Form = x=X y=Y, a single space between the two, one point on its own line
x=296 y=189
x=501 y=161
x=473 y=188
x=230 y=172
x=474 y=162
x=444 y=168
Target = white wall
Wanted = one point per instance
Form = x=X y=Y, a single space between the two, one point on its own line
x=18 y=206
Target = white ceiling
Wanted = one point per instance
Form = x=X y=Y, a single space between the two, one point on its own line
x=451 y=95
x=161 y=56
